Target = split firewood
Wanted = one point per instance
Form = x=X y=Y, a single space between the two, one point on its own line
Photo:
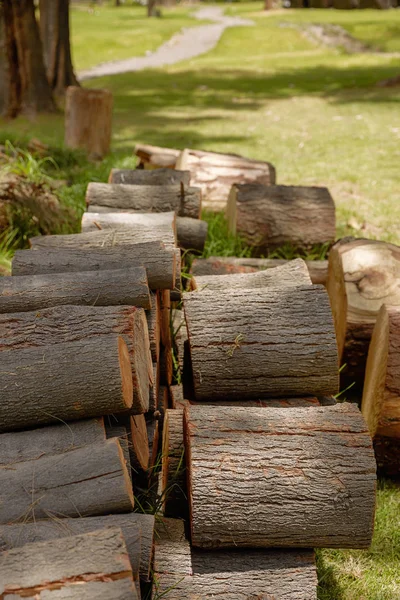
x=153 y=435
x=140 y=453
x=155 y=157
x=88 y=481
x=153 y=323
x=166 y=365
x=116 y=431
x=154 y=177
x=154 y=390
x=69 y=381
x=363 y=275
x=180 y=336
x=173 y=466
x=229 y=450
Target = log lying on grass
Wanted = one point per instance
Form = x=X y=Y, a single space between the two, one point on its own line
x=68 y=381
x=92 y=480
x=97 y=564
x=159 y=262
x=363 y=275
x=173 y=465
x=105 y=288
x=155 y=177
x=214 y=173
x=249 y=344
x=265 y=574
x=185 y=201
x=63 y=324
x=244 y=492
x=155 y=157
x=267 y=217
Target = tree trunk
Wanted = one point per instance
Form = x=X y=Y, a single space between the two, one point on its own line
x=156 y=177
x=100 y=288
x=153 y=324
x=266 y=574
x=249 y=344
x=332 y=498
x=55 y=34
x=151 y=7
x=97 y=561
x=159 y=262
x=215 y=173
x=154 y=157
x=267 y=217
x=88 y=120
x=173 y=466
x=89 y=481
x=191 y=233
x=107 y=197
x=362 y=275
x=67 y=381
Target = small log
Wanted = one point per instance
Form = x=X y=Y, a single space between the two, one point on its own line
x=180 y=337
x=215 y=173
x=92 y=480
x=333 y=498
x=153 y=394
x=155 y=177
x=191 y=233
x=185 y=201
x=56 y=439
x=267 y=217
x=153 y=324
x=265 y=574
x=67 y=381
x=362 y=275
x=165 y=317
x=284 y=345
x=173 y=466
x=82 y=288
x=140 y=454
x=158 y=261
x=88 y=120
x=155 y=157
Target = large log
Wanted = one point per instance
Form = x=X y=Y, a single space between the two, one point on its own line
x=267 y=217
x=225 y=265
x=159 y=262
x=232 y=575
x=244 y=491
x=215 y=173
x=155 y=177
x=63 y=324
x=105 y=288
x=156 y=157
x=74 y=380
x=173 y=466
x=185 y=201
x=88 y=481
x=362 y=275
x=249 y=344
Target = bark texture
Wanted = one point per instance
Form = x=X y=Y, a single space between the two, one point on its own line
x=68 y=381
x=122 y=435
x=283 y=346
x=180 y=337
x=173 y=466
x=267 y=217
x=121 y=589
x=140 y=454
x=89 y=481
x=166 y=365
x=155 y=157
x=192 y=233
x=215 y=174
x=155 y=177
x=244 y=492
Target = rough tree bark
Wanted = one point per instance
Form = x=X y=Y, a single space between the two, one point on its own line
x=156 y=177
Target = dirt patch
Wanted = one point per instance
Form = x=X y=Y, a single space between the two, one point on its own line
x=335 y=36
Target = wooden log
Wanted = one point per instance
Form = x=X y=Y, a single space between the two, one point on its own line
x=63 y=324
x=381 y=398
x=155 y=157
x=153 y=324
x=158 y=261
x=67 y=381
x=36 y=569
x=153 y=395
x=246 y=344
x=104 y=288
x=88 y=120
x=180 y=337
x=333 y=498
x=56 y=439
x=140 y=454
x=176 y=396
x=224 y=265
x=153 y=435
x=303 y=402
x=163 y=401
x=267 y=217
x=215 y=173
x=191 y=233
x=155 y=177
x=185 y=201
x=173 y=466
x=232 y=575
x=88 y=481
x=165 y=317
x=116 y=431
x=166 y=365
x=175 y=294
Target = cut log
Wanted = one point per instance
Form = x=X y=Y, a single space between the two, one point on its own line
x=185 y=201
x=191 y=233
x=333 y=498
x=267 y=217
x=158 y=261
x=165 y=317
x=155 y=157
x=166 y=365
x=155 y=177
x=153 y=437
x=105 y=288
x=89 y=481
x=180 y=337
x=88 y=120
x=76 y=323
x=68 y=381
x=155 y=388
x=232 y=575
x=249 y=344
x=173 y=466
x=303 y=402
x=56 y=439
x=176 y=396
x=153 y=324
x=140 y=454
x=362 y=275
x=292 y=274
x=116 y=431
x=175 y=295
x=215 y=174
x=381 y=398
x=221 y=265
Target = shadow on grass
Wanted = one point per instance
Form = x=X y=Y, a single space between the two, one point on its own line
x=328 y=585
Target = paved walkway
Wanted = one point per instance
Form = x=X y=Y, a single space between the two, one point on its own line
x=186 y=44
